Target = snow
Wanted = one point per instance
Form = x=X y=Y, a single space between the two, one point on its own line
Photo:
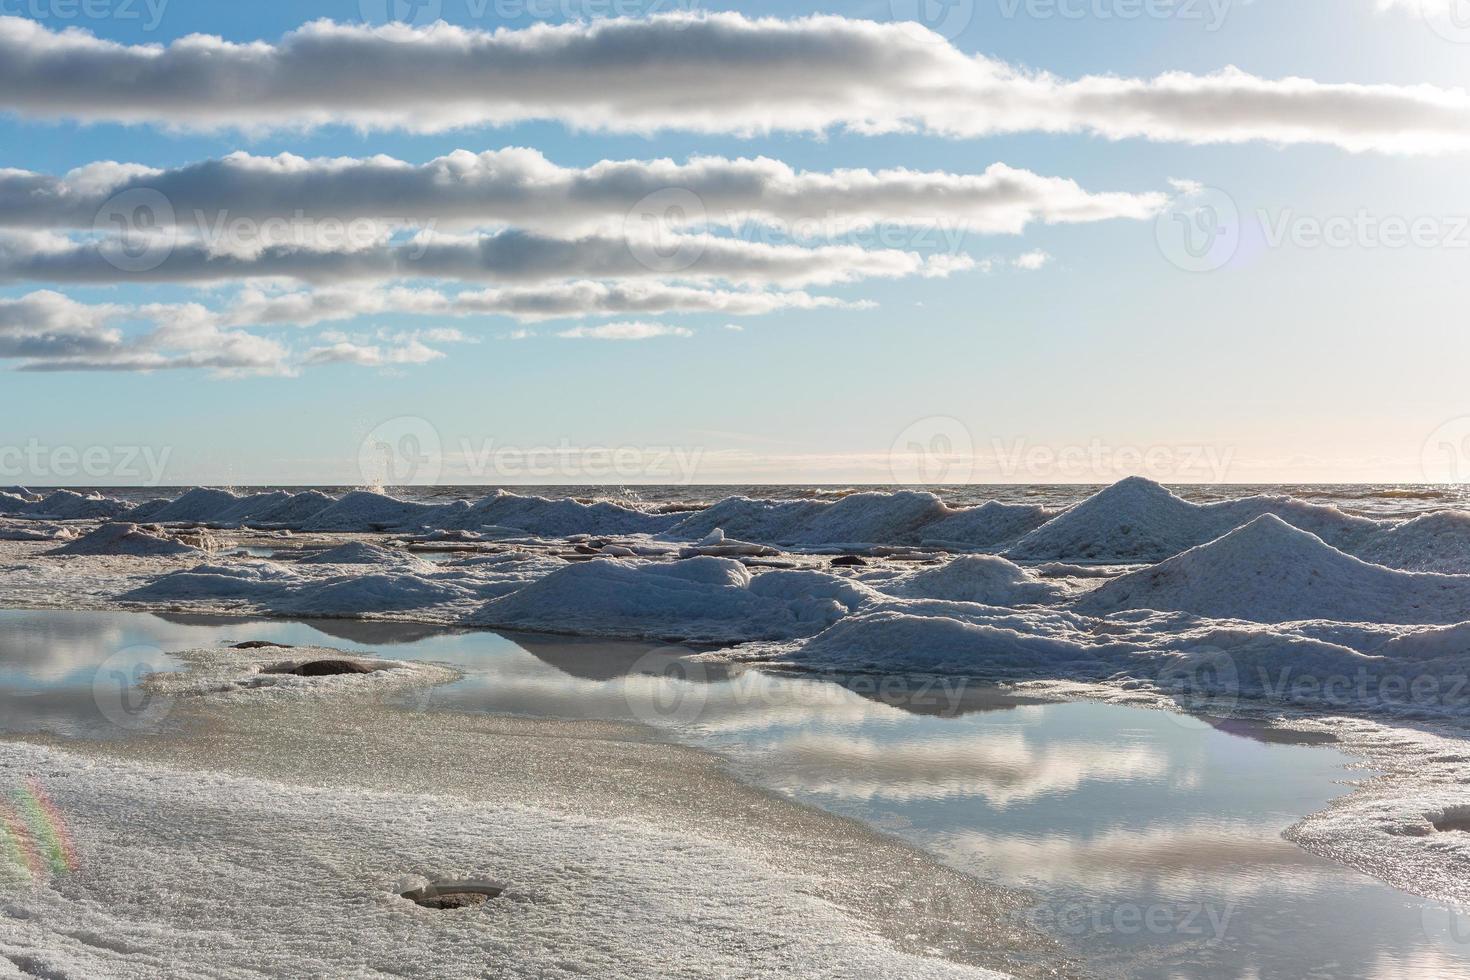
x=1438 y=542
x=128 y=539
x=1269 y=571
x=363 y=510
x=988 y=526
x=986 y=579
x=698 y=599
x=66 y=505
x=1137 y=520
x=247 y=877
x=363 y=553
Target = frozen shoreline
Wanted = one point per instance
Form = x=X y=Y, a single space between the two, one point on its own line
x=302 y=813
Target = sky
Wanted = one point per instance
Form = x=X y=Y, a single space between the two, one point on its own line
x=671 y=241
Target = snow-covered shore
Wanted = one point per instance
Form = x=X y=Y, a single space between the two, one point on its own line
x=274 y=829
x=1262 y=597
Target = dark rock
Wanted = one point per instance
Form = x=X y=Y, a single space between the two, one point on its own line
x=848 y=561
x=325 y=668
x=260 y=645
x=583 y=549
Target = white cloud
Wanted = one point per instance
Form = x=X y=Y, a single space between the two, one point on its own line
x=1031 y=261
x=46 y=331
x=719 y=72
x=255 y=306
x=521 y=187
x=513 y=256
x=626 y=331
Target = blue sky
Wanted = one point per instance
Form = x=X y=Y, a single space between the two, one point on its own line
x=1292 y=362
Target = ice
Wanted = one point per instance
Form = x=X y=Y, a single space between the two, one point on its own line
x=1269 y=571
x=855 y=520
x=991 y=525
x=131 y=539
x=67 y=505
x=363 y=553
x=33 y=531
x=1437 y=542
x=235 y=876
x=1137 y=520
x=295 y=510
x=697 y=599
x=985 y=579
x=363 y=510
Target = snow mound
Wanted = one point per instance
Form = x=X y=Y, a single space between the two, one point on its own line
x=36 y=532
x=362 y=553
x=769 y=521
x=556 y=518
x=363 y=510
x=990 y=525
x=1137 y=520
x=375 y=593
x=244 y=581
x=129 y=539
x=713 y=599
x=898 y=640
x=1270 y=571
x=198 y=506
x=68 y=505
x=295 y=510
x=1432 y=543
x=854 y=520
x=987 y=579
